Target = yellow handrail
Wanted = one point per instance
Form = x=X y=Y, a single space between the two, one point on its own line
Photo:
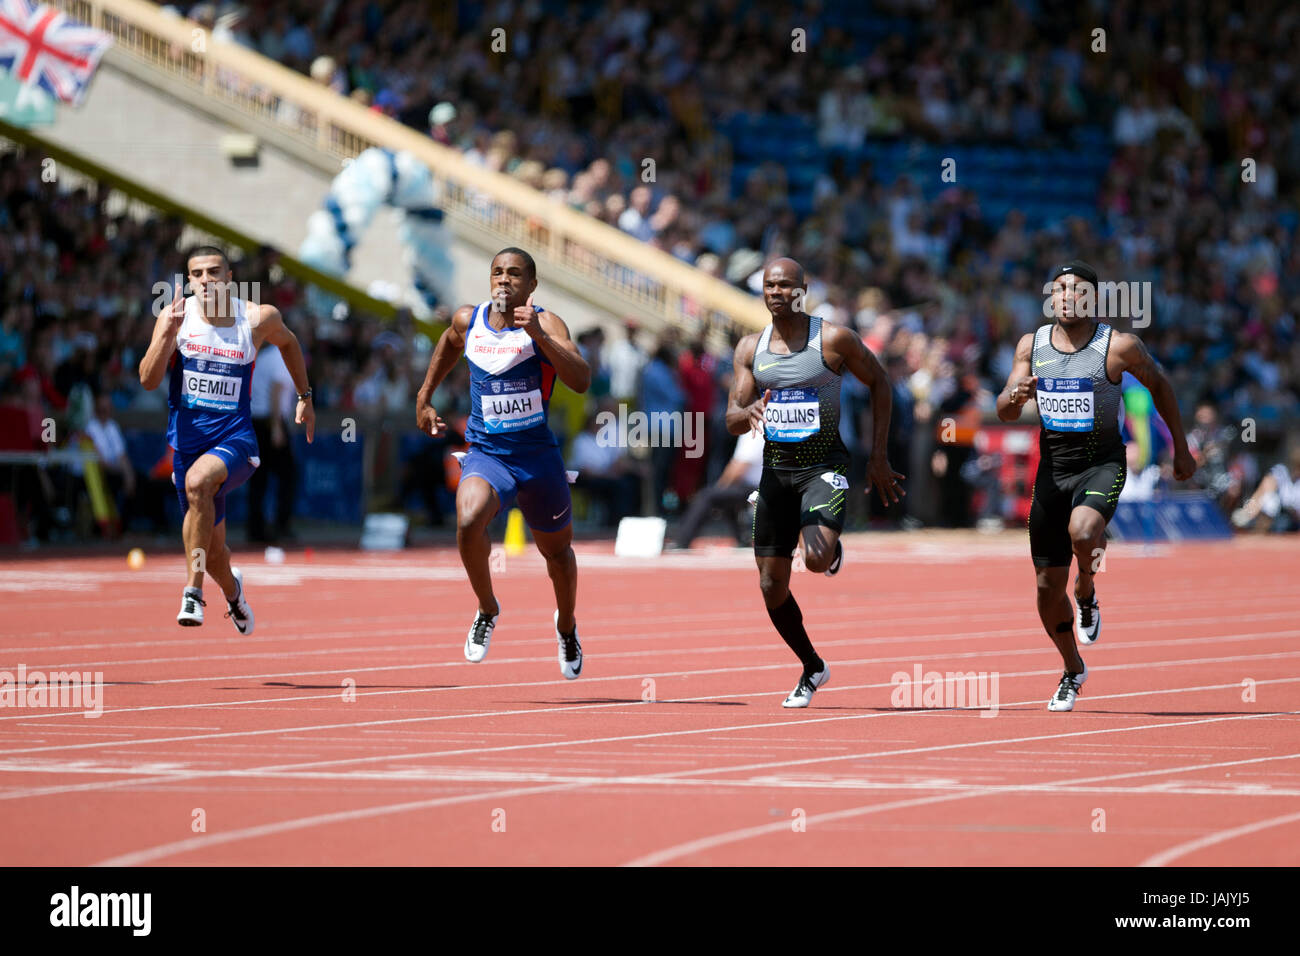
x=626 y=269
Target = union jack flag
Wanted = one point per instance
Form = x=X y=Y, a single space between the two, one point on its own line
x=41 y=46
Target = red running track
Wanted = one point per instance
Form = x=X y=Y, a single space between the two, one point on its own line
x=1183 y=750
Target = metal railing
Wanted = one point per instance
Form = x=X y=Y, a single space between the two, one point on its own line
x=616 y=268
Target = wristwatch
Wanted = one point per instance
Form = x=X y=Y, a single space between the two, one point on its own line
x=305 y=395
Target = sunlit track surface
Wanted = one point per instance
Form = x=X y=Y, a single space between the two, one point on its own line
x=348 y=729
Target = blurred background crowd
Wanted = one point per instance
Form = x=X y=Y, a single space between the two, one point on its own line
x=928 y=165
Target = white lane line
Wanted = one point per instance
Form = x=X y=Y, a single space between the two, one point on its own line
x=343 y=816
x=803 y=784
x=657 y=652
x=173 y=776
x=636 y=678
x=691 y=847
x=171 y=849
x=937 y=637
x=1166 y=857
x=875 y=613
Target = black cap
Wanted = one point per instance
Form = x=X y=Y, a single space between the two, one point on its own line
x=1079 y=268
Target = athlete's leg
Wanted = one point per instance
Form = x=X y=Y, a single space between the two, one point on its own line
x=1050 y=546
x=822 y=496
x=1057 y=615
x=548 y=510
x=1088 y=539
x=819 y=546
x=561 y=564
x=476 y=505
x=203 y=480
x=773 y=580
x=219 y=561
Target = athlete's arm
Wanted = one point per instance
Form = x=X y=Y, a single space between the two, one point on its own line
x=154 y=364
x=445 y=356
x=268 y=326
x=552 y=336
x=862 y=362
x=744 y=407
x=1135 y=359
x=1021 y=384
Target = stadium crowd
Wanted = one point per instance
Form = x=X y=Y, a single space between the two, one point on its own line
x=1199 y=198
x=1185 y=99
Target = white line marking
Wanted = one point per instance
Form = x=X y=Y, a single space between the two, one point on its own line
x=551 y=745
x=171 y=849
x=636 y=678
x=660 y=857
x=1167 y=856
x=267 y=829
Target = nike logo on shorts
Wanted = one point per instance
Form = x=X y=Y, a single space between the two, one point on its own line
x=560 y=515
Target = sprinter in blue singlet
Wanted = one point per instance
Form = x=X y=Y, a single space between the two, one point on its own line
x=207 y=343
x=515 y=350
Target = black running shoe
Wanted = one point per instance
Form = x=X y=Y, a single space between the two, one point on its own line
x=570 y=651
x=1068 y=690
x=802 y=694
x=240 y=614
x=480 y=636
x=1087 y=618
x=192 y=605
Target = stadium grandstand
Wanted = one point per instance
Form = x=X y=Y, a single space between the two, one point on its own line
x=404 y=425
x=1131 y=159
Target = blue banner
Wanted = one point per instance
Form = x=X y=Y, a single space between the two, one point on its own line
x=1184 y=516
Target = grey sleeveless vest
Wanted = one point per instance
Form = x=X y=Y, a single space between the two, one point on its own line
x=803 y=414
x=1078 y=404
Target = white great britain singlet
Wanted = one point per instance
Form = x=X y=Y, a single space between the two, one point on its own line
x=211 y=372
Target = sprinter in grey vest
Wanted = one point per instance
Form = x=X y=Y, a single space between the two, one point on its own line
x=1073 y=366
x=787 y=382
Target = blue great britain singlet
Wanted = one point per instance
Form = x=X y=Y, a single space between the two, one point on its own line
x=510 y=384
x=211 y=372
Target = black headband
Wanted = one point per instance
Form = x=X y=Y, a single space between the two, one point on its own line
x=1078 y=268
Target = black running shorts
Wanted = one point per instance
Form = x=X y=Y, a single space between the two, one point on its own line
x=789 y=500
x=1056 y=495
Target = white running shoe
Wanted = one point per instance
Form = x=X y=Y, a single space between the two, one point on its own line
x=240 y=614
x=480 y=635
x=570 y=651
x=192 y=606
x=837 y=562
x=1068 y=690
x=1087 y=619
x=802 y=694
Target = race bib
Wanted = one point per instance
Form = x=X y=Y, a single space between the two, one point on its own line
x=218 y=393
x=511 y=406
x=1065 y=404
x=792 y=414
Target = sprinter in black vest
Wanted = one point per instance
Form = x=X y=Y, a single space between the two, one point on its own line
x=787 y=382
x=1074 y=366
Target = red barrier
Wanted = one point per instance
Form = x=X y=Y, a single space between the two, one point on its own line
x=1017 y=445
